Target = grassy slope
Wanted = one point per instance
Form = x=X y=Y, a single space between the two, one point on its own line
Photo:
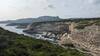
x=12 y=44
x=82 y=23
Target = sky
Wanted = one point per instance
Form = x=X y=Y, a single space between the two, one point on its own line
x=16 y=9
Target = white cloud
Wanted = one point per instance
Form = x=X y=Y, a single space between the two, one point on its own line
x=12 y=9
x=94 y=1
x=63 y=8
x=77 y=8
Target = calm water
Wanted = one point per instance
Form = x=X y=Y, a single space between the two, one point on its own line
x=12 y=29
x=20 y=31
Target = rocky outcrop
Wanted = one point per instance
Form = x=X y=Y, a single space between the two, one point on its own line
x=88 y=38
x=65 y=39
x=58 y=29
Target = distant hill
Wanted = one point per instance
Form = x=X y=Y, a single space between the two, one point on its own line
x=48 y=18
x=31 y=20
x=8 y=21
x=23 y=21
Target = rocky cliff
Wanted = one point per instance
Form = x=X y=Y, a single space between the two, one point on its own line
x=88 y=39
x=54 y=28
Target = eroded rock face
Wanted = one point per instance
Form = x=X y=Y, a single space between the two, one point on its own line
x=55 y=27
x=88 y=38
x=65 y=39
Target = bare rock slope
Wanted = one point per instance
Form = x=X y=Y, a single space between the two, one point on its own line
x=88 y=38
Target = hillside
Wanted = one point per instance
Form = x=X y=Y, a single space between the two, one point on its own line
x=85 y=34
x=8 y=21
x=12 y=44
x=24 y=21
x=88 y=38
x=31 y=20
x=82 y=23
